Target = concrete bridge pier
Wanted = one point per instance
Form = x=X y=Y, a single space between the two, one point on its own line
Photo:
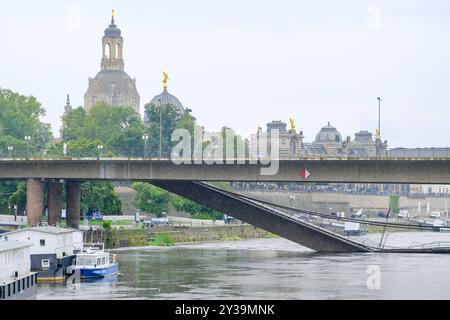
x=55 y=202
x=35 y=201
x=73 y=199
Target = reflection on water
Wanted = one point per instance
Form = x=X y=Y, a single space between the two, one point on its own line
x=265 y=269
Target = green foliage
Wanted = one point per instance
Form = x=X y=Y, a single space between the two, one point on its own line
x=118 y=129
x=113 y=223
x=162 y=240
x=100 y=196
x=106 y=225
x=80 y=148
x=7 y=189
x=151 y=199
x=171 y=119
x=196 y=210
x=19 y=196
x=155 y=200
x=20 y=116
x=233 y=142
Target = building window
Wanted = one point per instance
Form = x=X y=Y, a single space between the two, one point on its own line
x=42 y=242
x=118 y=51
x=107 y=50
x=45 y=263
x=28 y=282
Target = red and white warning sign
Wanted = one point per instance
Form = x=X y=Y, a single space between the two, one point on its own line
x=305 y=174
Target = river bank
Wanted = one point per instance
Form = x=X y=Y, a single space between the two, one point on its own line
x=169 y=235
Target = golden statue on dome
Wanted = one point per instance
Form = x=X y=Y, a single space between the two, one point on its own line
x=165 y=80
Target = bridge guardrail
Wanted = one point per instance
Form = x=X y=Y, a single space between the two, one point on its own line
x=308 y=153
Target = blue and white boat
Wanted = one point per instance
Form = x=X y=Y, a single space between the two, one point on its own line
x=95 y=263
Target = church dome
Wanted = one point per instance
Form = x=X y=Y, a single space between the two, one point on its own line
x=165 y=98
x=112 y=31
x=114 y=87
x=328 y=134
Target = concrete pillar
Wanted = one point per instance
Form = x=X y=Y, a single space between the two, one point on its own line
x=55 y=205
x=35 y=201
x=73 y=198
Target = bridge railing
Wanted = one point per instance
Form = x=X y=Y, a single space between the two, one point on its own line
x=304 y=153
x=430 y=245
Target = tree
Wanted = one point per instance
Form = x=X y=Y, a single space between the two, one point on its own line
x=20 y=116
x=151 y=199
x=18 y=197
x=118 y=129
x=171 y=119
x=76 y=148
x=196 y=210
x=100 y=196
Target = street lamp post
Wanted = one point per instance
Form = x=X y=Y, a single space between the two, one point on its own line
x=378 y=145
x=145 y=138
x=99 y=148
x=10 y=149
x=379 y=117
x=160 y=128
x=27 y=139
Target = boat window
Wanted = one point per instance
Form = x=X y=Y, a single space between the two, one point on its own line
x=83 y=261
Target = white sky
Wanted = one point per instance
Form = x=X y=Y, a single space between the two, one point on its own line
x=244 y=63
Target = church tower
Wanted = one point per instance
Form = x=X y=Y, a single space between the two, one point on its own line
x=112 y=84
x=112 y=44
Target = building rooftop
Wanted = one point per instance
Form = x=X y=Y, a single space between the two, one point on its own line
x=328 y=134
x=165 y=98
x=11 y=245
x=44 y=229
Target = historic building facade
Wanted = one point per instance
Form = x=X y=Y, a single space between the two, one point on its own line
x=112 y=84
x=328 y=142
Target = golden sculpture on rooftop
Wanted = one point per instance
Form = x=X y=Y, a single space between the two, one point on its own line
x=165 y=80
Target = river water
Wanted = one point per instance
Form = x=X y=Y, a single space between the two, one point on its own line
x=267 y=269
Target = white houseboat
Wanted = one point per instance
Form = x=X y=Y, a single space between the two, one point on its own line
x=53 y=249
x=17 y=282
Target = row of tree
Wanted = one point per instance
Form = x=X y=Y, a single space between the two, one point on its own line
x=158 y=201
x=104 y=130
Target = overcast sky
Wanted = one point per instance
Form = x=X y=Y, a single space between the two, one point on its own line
x=244 y=63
